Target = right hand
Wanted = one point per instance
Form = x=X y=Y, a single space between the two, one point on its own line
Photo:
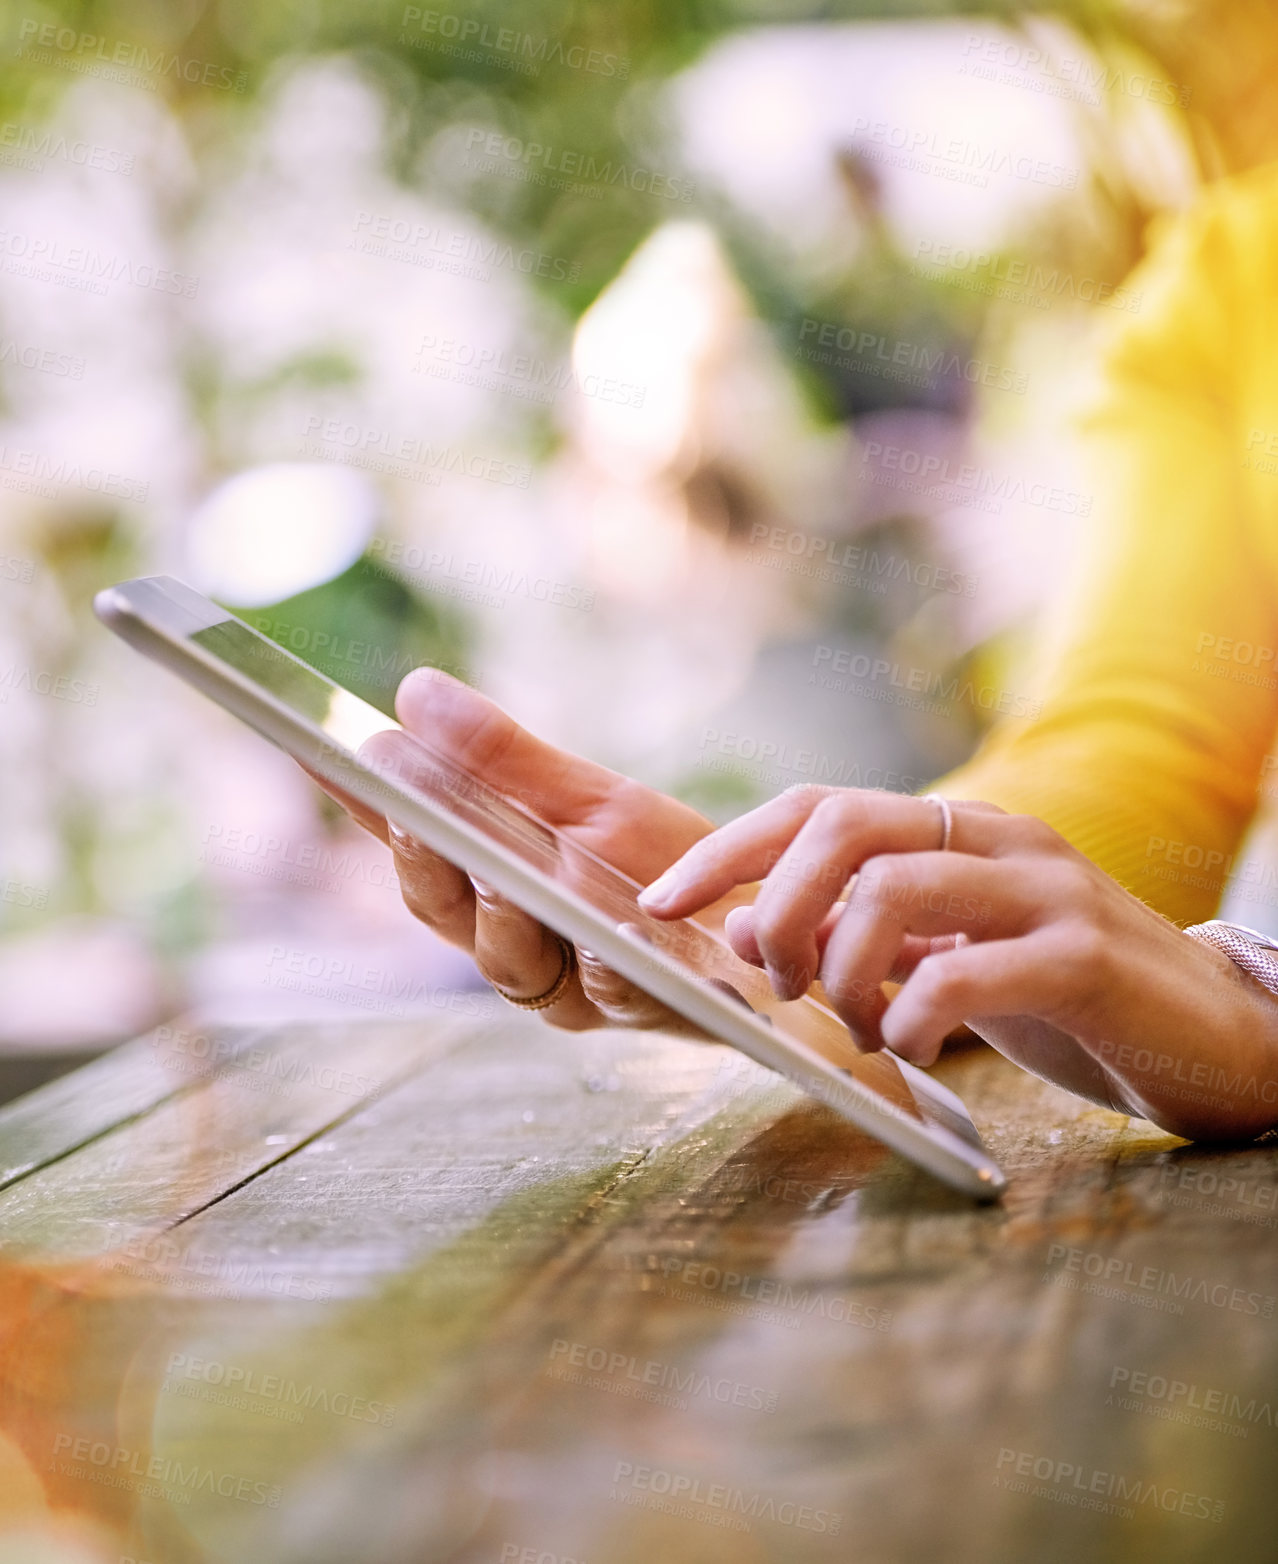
x=637 y=830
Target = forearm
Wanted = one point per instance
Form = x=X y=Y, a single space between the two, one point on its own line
x=1216 y=1075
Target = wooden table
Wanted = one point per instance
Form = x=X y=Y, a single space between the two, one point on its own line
x=467 y=1289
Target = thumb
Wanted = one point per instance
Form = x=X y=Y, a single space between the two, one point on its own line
x=474 y=733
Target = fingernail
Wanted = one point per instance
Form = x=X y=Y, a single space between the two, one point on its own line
x=661 y=891
x=485 y=892
x=399 y=837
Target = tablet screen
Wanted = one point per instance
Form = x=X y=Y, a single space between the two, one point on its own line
x=366 y=737
x=687 y=964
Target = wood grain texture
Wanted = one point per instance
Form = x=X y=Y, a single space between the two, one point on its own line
x=71 y=1111
x=617 y=1298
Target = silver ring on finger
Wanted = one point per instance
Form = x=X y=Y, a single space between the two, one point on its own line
x=947 y=818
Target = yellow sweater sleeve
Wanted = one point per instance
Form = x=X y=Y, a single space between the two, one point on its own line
x=1162 y=695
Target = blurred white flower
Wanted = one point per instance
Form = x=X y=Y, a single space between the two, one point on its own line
x=276 y=530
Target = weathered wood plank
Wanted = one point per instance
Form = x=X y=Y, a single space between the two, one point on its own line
x=899 y=1330
x=247 y=1106
x=442 y=1206
x=603 y=1298
x=984 y=1366
x=130 y=1080
x=515 y=1115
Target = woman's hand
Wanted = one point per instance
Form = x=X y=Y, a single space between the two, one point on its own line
x=637 y=830
x=1010 y=930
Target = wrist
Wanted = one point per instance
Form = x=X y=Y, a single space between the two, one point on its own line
x=1224 y=1086
x=1248 y=949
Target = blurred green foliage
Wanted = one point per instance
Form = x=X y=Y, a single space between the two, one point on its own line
x=612 y=112
x=1222 y=59
x=365 y=629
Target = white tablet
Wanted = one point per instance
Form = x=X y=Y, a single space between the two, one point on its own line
x=688 y=968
